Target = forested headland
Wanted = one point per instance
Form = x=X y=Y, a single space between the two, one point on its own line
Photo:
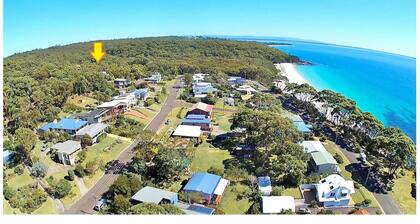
x=37 y=83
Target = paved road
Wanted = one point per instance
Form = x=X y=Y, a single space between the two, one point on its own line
x=85 y=204
x=387 y=202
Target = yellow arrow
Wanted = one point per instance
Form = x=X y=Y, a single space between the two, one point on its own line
x=97 y=52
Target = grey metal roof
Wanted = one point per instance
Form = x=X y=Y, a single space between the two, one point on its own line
x=92 y=130
x=94 y=113
x=67 y=147
x=151 y=194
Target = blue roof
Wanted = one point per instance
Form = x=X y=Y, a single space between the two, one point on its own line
x=7 y=156
x=264 y=181
x=302 y=127
x=140 y=91
x=201 y=209
x=203 y=182
x=198 y=121
x=65 y=124
x=196 y=116
x=204 y=89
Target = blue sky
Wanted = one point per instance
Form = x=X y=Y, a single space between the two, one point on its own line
x=387 y=25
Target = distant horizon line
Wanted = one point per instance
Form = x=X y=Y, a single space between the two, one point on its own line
x=231 y=37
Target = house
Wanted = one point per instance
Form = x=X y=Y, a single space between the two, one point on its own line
x=313 y=146
x=280 y=84
x=264 y=185
x=121 y=83
x=140 y=94
x=93 y=130
x=229 y=101
x=67 y=151
x=7 y=157
x=202 y=89
x=156 y=77
x=195 y=209
x=200 y=120
x=323 y=163
x=68 y=125
x=209 y=187
x=154 y=195
x=334 y=191
x=246 y=89
x=187 y=131
x=199 y=77
x=115 y=107
x=94 y=116
x=202 y=108
x=243 y=150
x=236 y=80
x=277 y=204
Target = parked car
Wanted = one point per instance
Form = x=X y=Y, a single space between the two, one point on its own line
x=44 y=147
x=100 y=204
x=303 y=211
x=167 y=122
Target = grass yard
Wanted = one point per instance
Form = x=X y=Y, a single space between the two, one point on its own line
x=222 y=119
x=165 y=129
x=360 y=194
x=16 y=181
x=47 y=208
x=81 y=101
x=106 y=150
x=402 y=193
x=8 y=210
x=220 y=104
x=294 y=192
x=232 y=203
x=74 y=194
x=205 y=157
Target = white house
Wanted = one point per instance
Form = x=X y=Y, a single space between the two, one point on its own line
x=67 y=151
x=277 y=204
x=199 y=77
x=312 y=146
x=334 y=191
x=247 y=89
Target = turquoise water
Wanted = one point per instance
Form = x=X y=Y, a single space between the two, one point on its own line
x=381 y=83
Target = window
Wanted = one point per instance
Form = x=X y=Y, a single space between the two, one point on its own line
x=323 y=181
x=343 y=194
x=331 y=187
x=332 y=194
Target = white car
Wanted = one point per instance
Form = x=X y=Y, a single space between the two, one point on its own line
x=362 y=157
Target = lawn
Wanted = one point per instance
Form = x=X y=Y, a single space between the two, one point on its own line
x=207 y=156
x=73 y=196
x=7 y=210
x=360 y=194
x=220 y=104
x=232 y=203
x=106 y=150
x=81 y=101
x=294 y=192
x=165 y=129
x=16 y=181
x=47 y=208
x=402 y=193
x=222 y=119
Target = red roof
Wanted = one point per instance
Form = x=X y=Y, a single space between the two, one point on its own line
x=361 y=212
x=204 y=107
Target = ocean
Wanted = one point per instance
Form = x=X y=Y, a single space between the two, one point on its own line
x=381 y=83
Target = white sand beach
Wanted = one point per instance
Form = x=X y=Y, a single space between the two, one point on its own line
x=289 y=70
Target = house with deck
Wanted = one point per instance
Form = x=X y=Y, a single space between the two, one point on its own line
x=140 y=94
x=246 y=89
x=69 y=125
x=93 y=130
x=155 y=77
x=187 y=131
x=202 y=89
x=121 y=83
x=202 y=109
x=66 y=151
x=154 y=195
x=334 y=191
x=93 y=116
x=200 y=120
x=209 y=188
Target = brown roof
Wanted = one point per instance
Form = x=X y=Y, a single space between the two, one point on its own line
x=361 y=212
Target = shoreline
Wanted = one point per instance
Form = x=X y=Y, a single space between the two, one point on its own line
x=290 y=71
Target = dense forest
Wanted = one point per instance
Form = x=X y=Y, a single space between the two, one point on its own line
x=37 y=83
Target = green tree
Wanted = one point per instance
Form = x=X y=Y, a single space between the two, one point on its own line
x=120 y=205
x=86 y=141
x=61 y=189
x=26 y=139
x=39 y=169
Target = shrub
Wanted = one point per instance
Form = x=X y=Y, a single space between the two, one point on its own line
x=61 y=189
x=18 y=170
x=81 y=156
x=91 y=167
x=86 y=141
x=338 y=158
x=8 y=192
x=215 y=170
x=367 y=201
x=71 y=175
x=79 y=170
x=277 y=191
x=39 y=169
x=323 y=139
x=313 y=204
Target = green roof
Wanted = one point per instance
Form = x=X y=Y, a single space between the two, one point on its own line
x=323 y=158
